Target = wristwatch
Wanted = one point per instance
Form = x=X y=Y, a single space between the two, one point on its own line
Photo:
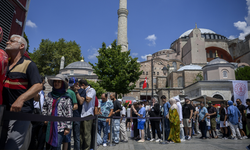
x=76 y=92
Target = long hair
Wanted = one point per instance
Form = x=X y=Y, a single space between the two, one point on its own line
x=157 y=108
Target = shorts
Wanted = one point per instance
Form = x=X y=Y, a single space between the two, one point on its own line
x=213 y=123
x=66 y=138
x=208 y=127
x=186 y=123
x=222 y=124
x=141 y=125
x=240 y=125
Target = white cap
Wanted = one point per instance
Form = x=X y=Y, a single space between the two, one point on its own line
x=120 y=100
x=134 y=101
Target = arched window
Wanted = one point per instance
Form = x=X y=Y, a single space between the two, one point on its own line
x=141 y=85
x=210 y=54
x=218 y=96
x=180 y=81
x=175 y=66
x=224 y=74
x=143 y=73
x=146 y=73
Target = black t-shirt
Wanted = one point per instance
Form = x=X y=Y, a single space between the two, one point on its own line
x=223 y=114
x=117 y=106
x=186 y=110
x=77 y=113
x=248 y=112
x=18 y=81
x=241 y=108
x=212 y=110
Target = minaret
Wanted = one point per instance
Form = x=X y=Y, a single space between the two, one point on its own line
x=122 y=38
x=62 y=63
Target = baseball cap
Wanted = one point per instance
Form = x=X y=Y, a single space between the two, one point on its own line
x=72 y=81
x=134 y=101
x=187 y=98
x=120 y=100
x=209 y=102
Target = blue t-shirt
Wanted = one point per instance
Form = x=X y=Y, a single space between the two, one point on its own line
x=142 y=112
x=105 y=108
x=202 y=113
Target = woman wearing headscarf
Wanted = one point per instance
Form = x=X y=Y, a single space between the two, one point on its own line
x=155 y=123
x=174 y=135
x=58 y=103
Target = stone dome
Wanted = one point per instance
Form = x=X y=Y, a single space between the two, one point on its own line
x=190 y=67
x=217 y=61
x=79 y=65
x=203 y=31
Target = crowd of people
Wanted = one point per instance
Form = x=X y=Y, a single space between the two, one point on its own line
x=22 y=91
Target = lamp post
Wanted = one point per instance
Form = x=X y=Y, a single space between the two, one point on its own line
x=164 y=69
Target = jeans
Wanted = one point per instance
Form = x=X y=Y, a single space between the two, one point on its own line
x=203 y=128
x=76 y=134
x=182 y=136
x=103 y=125
x=167 y=128
x=61 y=137
x=116 y=130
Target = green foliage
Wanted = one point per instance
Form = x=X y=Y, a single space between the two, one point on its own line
x=48 y=56
x=99 y=90
x=198 y=77
x=117 y=70
x=242 y=73
x=28 y=45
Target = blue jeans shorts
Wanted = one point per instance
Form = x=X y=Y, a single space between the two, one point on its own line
x=141 y=125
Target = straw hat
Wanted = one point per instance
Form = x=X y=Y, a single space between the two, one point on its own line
x=58 y=77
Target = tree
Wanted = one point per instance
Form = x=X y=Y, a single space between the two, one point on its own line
x=116 y=70
x=48 y=56
x=99 y=90
x=242 y=73
x=28 y=43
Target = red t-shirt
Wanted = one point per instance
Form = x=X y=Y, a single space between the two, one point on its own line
x=3 y=69
x=96 y=102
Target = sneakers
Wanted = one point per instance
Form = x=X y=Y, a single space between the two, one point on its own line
x=235 y=138
x=158 y=140
x=128 y=130
x=152 y=140
x=189 y=138
x=240 y=138
x=183 y=140
x=104 y=145
x=225 y=138
x=244 y=137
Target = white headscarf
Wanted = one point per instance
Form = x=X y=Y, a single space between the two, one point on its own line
x=173 y=104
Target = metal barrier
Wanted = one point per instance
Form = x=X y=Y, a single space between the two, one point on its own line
x=7 y=115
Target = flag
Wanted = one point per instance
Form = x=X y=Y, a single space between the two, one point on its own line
x=240 y=90
x=145 y=83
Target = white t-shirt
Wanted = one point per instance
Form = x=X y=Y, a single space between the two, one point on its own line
x=123 y=112
x=36 y=104
x=208 y=122
x=88 y=108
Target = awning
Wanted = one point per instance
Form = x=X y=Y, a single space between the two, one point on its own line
x=205 y=98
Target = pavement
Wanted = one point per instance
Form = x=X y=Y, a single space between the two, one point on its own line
x=193 y=144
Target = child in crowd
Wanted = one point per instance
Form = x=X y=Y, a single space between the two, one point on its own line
x=141 y=122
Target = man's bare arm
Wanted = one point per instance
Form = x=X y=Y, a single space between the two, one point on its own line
x=31 y=93
x=80 y=99
x=88 y=99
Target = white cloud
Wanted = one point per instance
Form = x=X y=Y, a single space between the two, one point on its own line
x=116 y=32
x=231 y=37
x=31 y=24
x=134 y=54
x=152 y=38
x=145 y=56
x=94 y=53
x=244 y=25
x=138 y=61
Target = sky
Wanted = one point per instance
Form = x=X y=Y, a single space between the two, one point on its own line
x=152 y=24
